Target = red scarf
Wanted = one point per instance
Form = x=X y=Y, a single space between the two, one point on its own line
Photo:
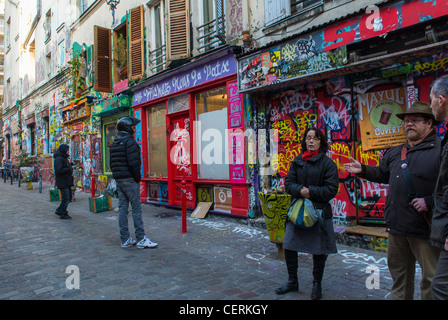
x=307 y=154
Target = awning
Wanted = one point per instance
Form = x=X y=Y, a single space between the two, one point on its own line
x=387 y=60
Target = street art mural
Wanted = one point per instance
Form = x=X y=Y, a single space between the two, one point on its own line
x=288 y=60
x=332 y=107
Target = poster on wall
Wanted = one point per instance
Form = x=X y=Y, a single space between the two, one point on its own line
x=379 y=125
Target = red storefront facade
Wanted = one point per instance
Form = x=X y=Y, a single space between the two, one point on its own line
x=192 y=120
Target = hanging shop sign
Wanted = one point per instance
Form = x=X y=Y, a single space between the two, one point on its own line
x=380 y=127
x=287 y=61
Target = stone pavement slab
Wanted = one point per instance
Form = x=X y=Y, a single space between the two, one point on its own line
x=219 y=258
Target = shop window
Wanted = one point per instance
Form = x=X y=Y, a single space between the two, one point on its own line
x=157 y=141
x=178 y=103
x=109 y=130
x=211 y=114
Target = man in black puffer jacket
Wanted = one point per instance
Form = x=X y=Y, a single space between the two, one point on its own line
x=125 y=165
x=64 y=179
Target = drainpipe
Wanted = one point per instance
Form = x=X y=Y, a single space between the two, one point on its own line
x=34 y=23
x=247 y=38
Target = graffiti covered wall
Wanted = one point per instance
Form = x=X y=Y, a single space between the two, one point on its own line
x=332 y=106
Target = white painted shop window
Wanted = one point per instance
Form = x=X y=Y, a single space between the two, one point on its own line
x=212 y=149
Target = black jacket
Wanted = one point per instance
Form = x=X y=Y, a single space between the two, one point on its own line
x=423 y=165
x=125 y=159
x=63 y=170
x=320 y=175
x=439 y=226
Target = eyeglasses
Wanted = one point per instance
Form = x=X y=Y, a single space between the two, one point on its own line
x=410 y=121
x=309 y=138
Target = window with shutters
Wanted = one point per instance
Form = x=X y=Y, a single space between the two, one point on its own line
x=119 y=53
x=212 y=31
x=279 y=10
x=136 y=44
x=103 y=59
x=178 y=29
x=157 y=51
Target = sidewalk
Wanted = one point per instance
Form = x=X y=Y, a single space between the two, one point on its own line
x=218 y=258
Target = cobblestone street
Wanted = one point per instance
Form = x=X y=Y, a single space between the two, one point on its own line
x=219 y=258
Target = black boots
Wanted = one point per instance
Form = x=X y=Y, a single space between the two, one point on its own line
x=318 y=273
x=292 y=284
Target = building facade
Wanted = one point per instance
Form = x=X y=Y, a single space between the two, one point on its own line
x=346 y=67
x=224 y=90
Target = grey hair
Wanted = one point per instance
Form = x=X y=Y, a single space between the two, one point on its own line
x=440 y=86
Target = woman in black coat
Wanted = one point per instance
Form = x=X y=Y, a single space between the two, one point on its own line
x=64 y=179
x=315 y=176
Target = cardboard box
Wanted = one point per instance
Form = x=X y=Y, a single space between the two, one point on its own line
x=54 y=195
x=100 y=204
x=201 y=210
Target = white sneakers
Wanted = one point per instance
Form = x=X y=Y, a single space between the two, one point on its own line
x=144 y=243
x=128 y=243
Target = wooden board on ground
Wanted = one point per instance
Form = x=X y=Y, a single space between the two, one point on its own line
x=201 y=210
x=370 y=231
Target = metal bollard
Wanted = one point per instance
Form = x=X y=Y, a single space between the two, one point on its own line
x=184 y=206
x=93 y=185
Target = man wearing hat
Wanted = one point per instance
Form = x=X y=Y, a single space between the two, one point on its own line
x=411 y=171
x=439 y=227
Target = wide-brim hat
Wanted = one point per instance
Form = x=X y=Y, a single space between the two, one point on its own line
x=419 y=107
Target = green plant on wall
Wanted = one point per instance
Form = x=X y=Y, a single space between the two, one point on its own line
x=26 y=160
x=121 y=57
x=78 y=82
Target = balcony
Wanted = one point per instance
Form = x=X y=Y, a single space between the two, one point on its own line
x=157 y=59
x=211 y=34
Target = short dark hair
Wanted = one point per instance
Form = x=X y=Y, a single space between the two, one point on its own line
x=323 y=140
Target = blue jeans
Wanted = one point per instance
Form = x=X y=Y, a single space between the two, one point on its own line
x=129 y=192
x=66 y=195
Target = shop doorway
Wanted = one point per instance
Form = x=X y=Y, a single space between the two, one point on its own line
x=179 y=164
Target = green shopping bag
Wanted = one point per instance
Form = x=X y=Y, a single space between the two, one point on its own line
x=302 y=213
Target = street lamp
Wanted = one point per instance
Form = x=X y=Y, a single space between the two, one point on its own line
x=113 y=4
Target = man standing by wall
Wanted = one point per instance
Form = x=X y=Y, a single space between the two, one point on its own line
x=125 y=164
x=439 y=229
x=411 y=171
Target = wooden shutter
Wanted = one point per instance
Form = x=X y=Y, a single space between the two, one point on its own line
x=136 y=42
x=178 y=33
x=103 y=60
x=276 y=10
